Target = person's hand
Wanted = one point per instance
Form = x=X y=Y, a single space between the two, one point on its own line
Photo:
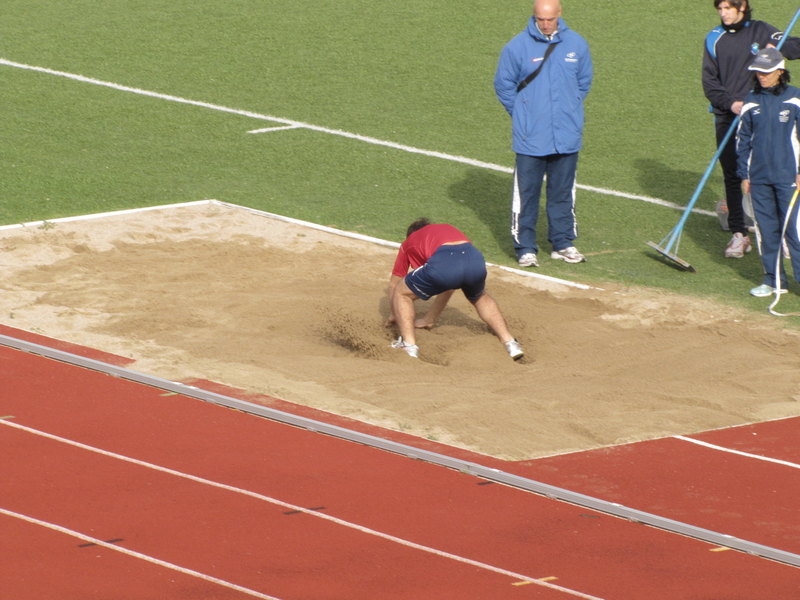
x=390 y=321
x=746 y=185
x=736 y=107
x=423 y=324
x=797 y=182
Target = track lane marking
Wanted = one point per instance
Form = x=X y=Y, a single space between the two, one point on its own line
x=307 y=511
x=361 y=138
x=138 y=555
x=738 y=452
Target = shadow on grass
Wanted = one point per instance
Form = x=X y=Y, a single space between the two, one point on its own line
x=680 y=186
x=674 y=185
x=488 y=195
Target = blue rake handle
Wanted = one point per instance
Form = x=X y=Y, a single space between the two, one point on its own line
x=675 y=235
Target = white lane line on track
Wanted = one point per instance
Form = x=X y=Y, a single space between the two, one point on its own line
x=307 y=511
x=138 y=555
x=362 y=138
x=738 y=452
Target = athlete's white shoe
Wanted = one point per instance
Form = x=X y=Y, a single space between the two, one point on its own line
x=514 y=349
x=411 y=349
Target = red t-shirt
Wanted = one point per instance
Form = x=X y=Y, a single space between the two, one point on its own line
x=421 y=245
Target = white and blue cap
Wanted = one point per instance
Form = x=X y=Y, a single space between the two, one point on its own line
x=767 y=61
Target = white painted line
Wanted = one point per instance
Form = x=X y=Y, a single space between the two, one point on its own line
x=138 y=555
x=580 y=286
x=292 y=507
x=374 y=240
x=340 y=232
x=658 y=201
x=362 y=138
x=262 y=213
x=102 y=215
x=729 y=451
x=266 y=129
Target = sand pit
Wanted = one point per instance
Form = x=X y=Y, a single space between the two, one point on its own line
x=209 y=291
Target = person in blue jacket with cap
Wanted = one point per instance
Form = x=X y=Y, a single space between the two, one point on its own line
x=542 y=78
x=768 y=149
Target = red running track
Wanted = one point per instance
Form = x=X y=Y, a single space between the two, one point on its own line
x=401 y=528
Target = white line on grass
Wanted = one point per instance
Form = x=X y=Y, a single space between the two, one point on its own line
x=307 y=511
x=138 y=555
x=268 y=129
x=362 y=138
x=730 y=451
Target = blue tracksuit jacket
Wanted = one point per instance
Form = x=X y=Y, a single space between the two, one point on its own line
x=546 y=116
x=768 y=138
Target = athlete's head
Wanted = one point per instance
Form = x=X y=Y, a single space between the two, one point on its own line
x=732 y=11
x=417 y=225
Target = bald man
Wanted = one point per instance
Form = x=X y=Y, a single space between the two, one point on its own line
x=542 y=78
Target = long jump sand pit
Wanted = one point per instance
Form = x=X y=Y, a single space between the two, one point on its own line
x=210 y=291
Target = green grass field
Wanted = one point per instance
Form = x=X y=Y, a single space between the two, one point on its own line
x=413 y=73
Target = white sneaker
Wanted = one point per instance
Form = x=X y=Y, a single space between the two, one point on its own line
x=738 y=246
x=411 y=349
x=570 y=255
x=765 y=290
x=514 y=349
x=528 y=260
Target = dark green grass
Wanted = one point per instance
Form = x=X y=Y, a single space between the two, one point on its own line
x=416 y=73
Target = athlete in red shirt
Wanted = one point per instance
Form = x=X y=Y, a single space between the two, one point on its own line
x=443 y=260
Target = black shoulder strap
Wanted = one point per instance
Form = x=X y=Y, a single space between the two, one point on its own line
x=533 y=75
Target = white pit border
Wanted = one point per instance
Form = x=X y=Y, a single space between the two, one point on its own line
x=349 y=234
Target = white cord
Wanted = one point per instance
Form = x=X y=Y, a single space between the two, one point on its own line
x=777 y=290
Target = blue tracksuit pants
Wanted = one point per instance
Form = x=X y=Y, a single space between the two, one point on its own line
x=770 y=204
x=529 y=173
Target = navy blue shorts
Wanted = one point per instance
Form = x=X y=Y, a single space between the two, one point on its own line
x=458 y=267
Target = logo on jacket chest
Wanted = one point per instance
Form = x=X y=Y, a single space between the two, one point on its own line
x=784 y=116
x=571 y=57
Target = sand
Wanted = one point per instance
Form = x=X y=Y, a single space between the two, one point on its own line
x=214 y=292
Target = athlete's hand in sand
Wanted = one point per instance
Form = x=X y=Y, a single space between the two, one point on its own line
x=390 y=321
x=423 y=324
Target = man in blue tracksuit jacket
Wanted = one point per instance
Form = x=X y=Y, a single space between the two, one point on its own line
x=547 y=127
x=768 y=148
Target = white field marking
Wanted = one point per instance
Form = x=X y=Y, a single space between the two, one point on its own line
x=101 y=215
x=362 y=138
x=292 y=507
x=339 y=232
x=366 y=238
x=580 y=286
x=747 y=454
x=266 y=129
x=138 y=555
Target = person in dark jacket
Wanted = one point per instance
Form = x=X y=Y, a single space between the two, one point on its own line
x=547 y=127
x=768 y=144
x=729 y=50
